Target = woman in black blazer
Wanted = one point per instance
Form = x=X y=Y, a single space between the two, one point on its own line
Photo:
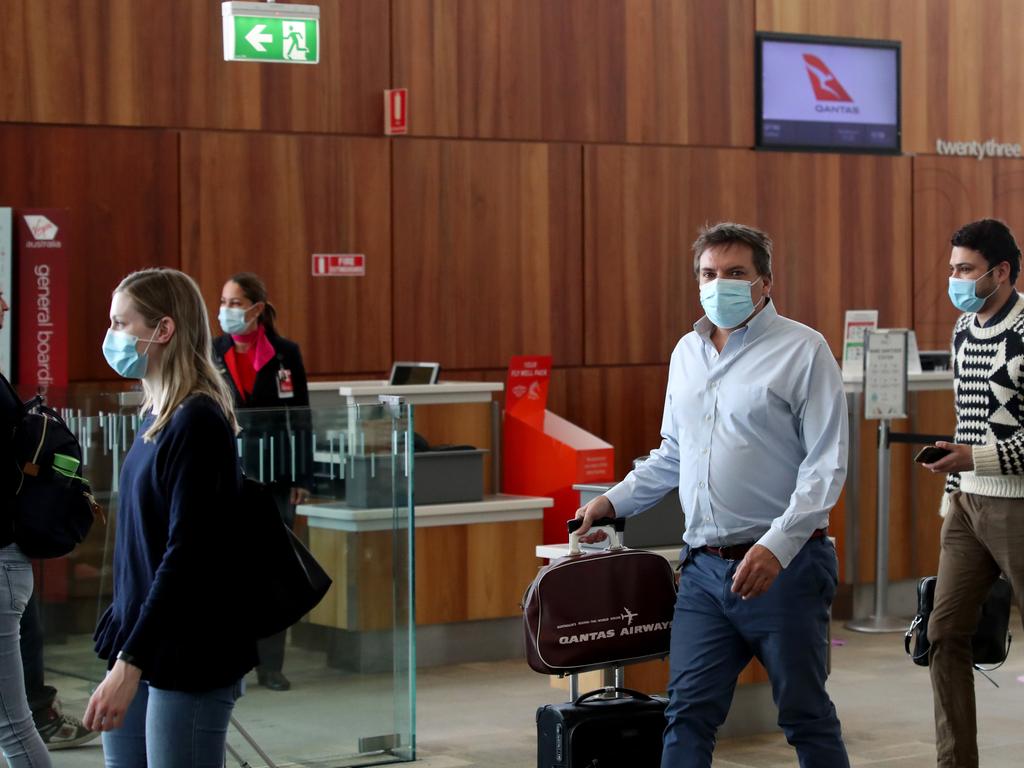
x=265 y=371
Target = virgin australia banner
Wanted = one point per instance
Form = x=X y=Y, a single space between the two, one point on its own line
x=44 y=261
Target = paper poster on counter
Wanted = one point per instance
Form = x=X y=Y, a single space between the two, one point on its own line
x=885 y=374
x=6 y=261
x=44 y=264
x=858 y=322
x=526 y=388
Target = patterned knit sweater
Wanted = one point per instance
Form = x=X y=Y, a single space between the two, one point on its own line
x=988 y=391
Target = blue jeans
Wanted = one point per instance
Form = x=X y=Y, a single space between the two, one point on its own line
x=172 y=729
x=19 y=740
x=714 y=636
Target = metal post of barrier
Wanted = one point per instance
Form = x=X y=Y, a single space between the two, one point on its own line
x=881 y=621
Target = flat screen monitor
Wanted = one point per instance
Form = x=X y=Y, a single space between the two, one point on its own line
x=414 y=373
x=828 y=94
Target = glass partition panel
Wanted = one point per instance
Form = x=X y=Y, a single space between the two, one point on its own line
x=344 y=689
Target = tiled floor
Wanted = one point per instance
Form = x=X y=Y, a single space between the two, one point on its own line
x=482 y=715
x=883 y=700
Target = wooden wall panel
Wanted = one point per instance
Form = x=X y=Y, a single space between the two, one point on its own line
x=961 y=79
x=841 y=227
x=584 y=70
x=152 y=62
x=933 y=414
x=487 y=252
x=842 y=231
x=622 y=405
x=948 y=193
x=122 y=189
x=266 y=203
x=644 y=206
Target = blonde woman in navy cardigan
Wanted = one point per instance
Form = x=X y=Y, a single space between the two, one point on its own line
x=175 y=651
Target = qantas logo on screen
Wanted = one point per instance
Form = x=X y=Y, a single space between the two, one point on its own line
x=827 y=87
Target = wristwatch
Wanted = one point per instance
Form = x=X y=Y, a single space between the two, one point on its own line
x=127 y=658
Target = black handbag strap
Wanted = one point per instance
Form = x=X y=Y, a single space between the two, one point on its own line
x=909 y=638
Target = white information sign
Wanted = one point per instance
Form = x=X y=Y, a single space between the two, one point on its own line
x=858 y=321
x=885 y=374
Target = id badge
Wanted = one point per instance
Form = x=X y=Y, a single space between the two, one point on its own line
x=285 y=387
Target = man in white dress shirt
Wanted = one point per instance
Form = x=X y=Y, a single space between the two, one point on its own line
x=754 y=434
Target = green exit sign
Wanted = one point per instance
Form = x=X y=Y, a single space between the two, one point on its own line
x=271 y=32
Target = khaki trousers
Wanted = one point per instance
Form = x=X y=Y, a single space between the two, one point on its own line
x=981 y=537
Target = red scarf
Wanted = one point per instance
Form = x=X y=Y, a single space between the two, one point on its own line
x=243 y=366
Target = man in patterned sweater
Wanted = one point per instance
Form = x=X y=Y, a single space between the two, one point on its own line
x=983 y=530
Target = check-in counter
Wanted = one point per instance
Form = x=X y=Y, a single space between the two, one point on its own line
x=472 y=563
x=473 y=559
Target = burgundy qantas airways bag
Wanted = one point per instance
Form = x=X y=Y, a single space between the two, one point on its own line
x=599 y=609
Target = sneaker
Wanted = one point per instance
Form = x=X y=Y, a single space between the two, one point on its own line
x=62 y=731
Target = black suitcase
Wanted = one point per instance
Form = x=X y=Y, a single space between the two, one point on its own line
x=598 y=732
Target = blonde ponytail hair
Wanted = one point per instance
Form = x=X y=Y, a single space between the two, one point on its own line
x=187 y=363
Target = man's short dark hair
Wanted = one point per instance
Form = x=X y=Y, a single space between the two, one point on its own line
x=993 y=240
x=728 y=233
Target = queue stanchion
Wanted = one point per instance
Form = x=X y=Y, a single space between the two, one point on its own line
x=885 y=399
x=880 y=621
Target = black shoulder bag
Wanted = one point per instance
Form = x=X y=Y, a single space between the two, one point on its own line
x=991 y=642
x=280 y=576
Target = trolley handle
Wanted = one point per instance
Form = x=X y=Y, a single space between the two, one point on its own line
x=616 y=526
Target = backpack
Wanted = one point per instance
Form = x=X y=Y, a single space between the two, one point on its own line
x=52 y=507
x=280 y=577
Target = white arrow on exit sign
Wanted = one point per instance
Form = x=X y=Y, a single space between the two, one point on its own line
x=256 y=37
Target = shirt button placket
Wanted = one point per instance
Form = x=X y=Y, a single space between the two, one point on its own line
x=705 y=462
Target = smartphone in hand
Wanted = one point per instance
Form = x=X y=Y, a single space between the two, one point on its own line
x=930 y=454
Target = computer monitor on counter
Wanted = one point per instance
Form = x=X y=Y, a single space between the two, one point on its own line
x=414 y=373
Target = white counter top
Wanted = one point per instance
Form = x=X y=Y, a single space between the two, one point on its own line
x=441 y=393
x=916 y=382
x=502 y=508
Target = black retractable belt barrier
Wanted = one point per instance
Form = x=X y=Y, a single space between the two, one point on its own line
x=881 y=621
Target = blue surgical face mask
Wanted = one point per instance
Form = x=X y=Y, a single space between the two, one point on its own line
x=964 y=293
x=119 y=348
x=232 y=320
x=727 y=302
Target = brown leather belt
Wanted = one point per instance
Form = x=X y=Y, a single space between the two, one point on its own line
x=739 y=551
